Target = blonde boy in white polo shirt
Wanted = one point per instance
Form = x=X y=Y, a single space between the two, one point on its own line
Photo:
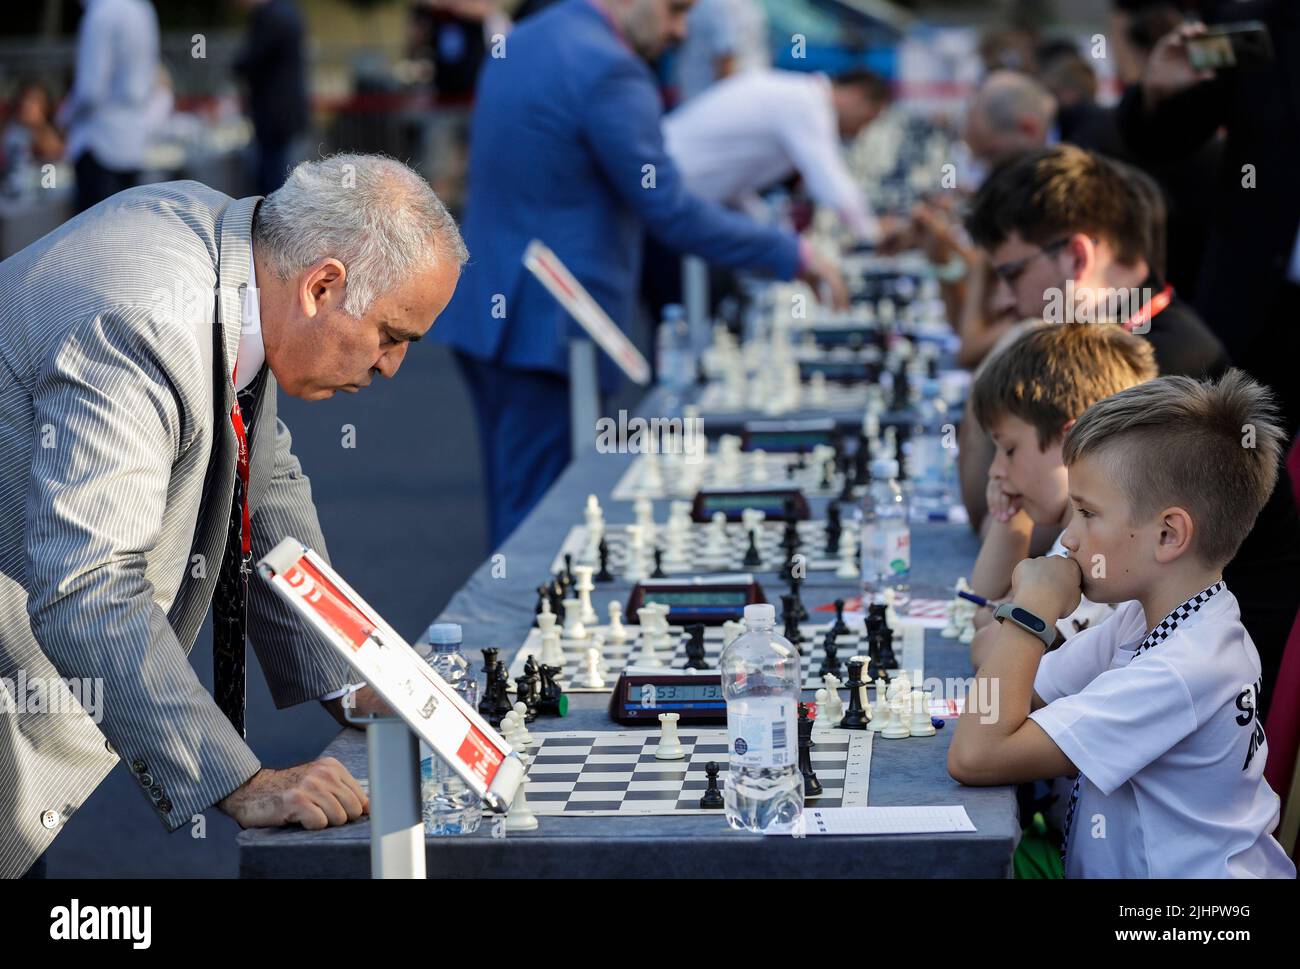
x=1155 y=708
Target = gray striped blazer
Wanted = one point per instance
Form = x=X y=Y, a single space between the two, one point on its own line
x=118 y=333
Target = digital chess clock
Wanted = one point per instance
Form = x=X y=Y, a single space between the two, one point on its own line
x=787 y=435
x=642 y=694
x=841 y=371
x=853 y=337
x=773 y=502
x=703 y=600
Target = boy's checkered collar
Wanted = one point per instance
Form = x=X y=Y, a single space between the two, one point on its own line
x=1165 y=628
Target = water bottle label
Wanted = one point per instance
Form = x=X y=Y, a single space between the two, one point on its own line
x=900 y=551
x=762 y=733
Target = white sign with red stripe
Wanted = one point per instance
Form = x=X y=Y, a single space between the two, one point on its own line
x=546 y=266
x=422 y=698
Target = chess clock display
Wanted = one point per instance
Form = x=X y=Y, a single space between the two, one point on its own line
x=801 y=435
x=778 y=504
x=690 y=601
x=641 y=695
x=842 y=371
x=852 y=337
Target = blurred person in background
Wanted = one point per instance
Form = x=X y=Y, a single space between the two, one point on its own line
x=272 y=65
x=753 y=130
x=723 y=37
x=567 y=147
x=452 y=36
x=113 y=108
x=30 y=138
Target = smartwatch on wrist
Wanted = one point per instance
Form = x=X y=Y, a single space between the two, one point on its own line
x=1027 y=621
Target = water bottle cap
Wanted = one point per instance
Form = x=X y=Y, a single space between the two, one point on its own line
x=760 y=612
x=884 y=468
x=674 y=311
x=444 y=633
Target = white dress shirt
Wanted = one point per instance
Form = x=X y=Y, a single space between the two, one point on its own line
x=751 y=130
x=251 y=356
x=115 y=103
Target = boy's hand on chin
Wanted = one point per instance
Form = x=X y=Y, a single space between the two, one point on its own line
x=1050 y=586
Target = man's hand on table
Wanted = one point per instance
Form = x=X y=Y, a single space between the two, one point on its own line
x=318 y=794
x=362 y=702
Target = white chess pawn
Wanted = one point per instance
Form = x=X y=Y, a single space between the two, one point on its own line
x=848 y=567
x=670 y=747
x=510 y=731
x=521 y=724
x=818 y=395
x=920 y=725
x=520 y=817
x=598 y=644
x=880 y=712
x=730 y=630
x=617 y=632
x=590 y=678
x=825 y=710
x=896 y=728
x=950 y=629
x=759 y=465
x=967 y=623
x=573 y=625
x=901 y=685
x=716 y=537
x=890 y=595
x=837 y=704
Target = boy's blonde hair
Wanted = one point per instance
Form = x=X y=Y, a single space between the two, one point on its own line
x=1052 y=374
x=1211 y=449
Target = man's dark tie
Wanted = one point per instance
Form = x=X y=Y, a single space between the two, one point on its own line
x=230 y=601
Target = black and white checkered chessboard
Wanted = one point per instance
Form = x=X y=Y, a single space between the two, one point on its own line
x=614 y=772
x=698 y=558
x=681 y=477
x=909 y=648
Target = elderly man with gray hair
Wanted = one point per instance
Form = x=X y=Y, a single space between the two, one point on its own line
x=143 y=468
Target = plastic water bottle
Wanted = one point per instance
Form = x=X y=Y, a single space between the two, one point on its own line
x=674 y=357
x=450 y=805
x=886 y=545
x=760 y=682
x=930 y=464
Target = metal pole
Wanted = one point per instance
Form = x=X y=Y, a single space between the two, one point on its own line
x=584 y=395
x=396 y=820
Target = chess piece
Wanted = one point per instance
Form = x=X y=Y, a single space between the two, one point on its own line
x=520 y=816
x=695 y=648
x=880 y=713
x=832 y=688
x=658 y=572
x=796 y=586
x=854 y=717
x=848 y=567
x=585 y=587
x=730 y=630
x=790 y=616
x=896 y=728
x=590 y=677
x=830 y=656
x=487 y=702
x=521 y=726
x=602 y=551
x=825 y=709
x=551 y=700
x=500 y=693
x=551 y=651
x=524 y=693
x=670 y=747
x=752 y=559
x=574 y=628
x=840 y=628
x=812 y=787
x=920 y=725
x=617 y=632
x=712 y=799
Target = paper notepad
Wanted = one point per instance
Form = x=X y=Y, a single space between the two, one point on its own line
x=886 y=820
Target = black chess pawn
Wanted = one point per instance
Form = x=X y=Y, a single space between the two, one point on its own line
x=752 y=559
x=712 y=799
x=830 y=656
x=790 y=615
x=602 y=551
x=855 y=717
x=840 y=627
x=796 y=586
x=695 y=648
x=850 y=479
x=812 y=787
x=569 y=580
x=659 y=572
x=487 y=701
x=828 y=469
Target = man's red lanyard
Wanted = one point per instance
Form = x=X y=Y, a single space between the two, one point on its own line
x=241 y=435
x=1153 y=308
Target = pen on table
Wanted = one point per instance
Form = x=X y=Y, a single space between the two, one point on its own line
x=979 y=600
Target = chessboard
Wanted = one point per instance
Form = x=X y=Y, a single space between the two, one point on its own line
x=697 y=559
x=908 y=644
x=593 y=773
x=714 y=399
x=664 y=476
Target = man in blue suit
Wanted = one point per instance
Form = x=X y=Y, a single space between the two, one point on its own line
x=566 y=147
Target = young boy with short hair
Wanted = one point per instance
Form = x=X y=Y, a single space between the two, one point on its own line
x=1026 y=399
x=1155 y=709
